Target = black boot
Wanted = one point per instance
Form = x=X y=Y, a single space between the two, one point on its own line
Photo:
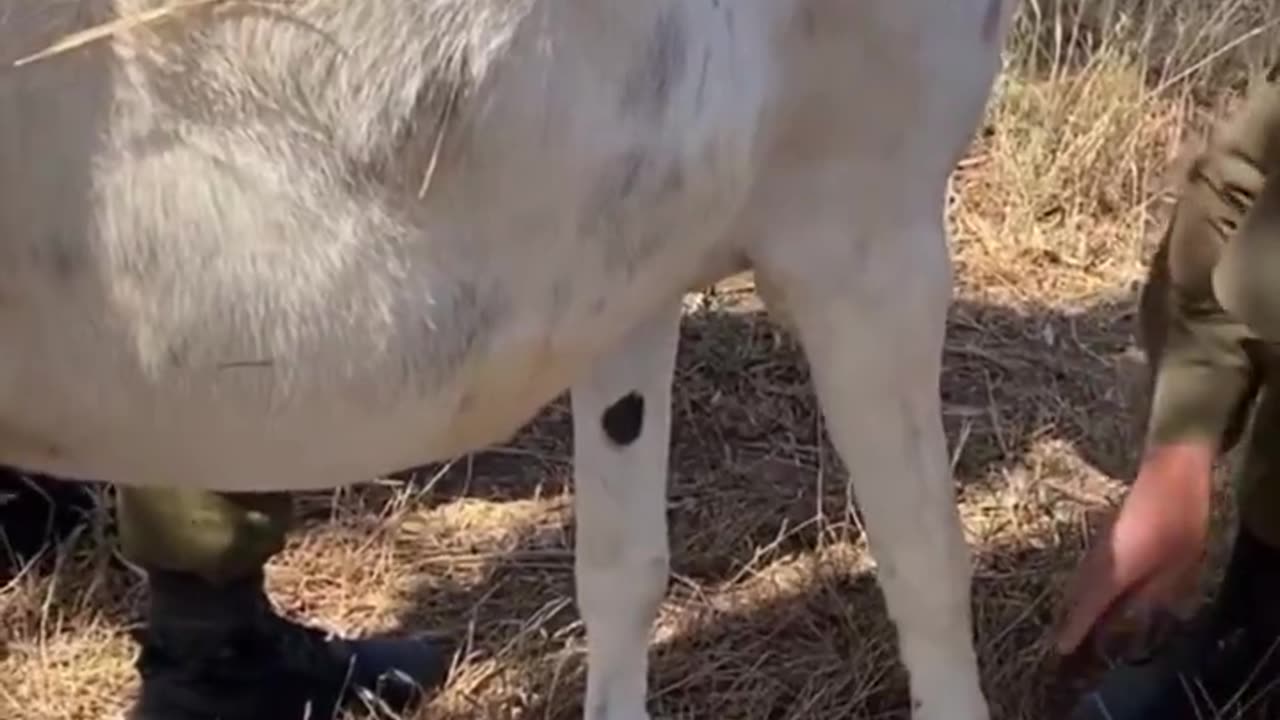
x=213 y=652
x=1224 y=666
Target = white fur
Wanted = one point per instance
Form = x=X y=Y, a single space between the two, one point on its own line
x=292 y=246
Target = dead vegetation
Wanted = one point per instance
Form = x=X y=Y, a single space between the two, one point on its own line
x=773 y=611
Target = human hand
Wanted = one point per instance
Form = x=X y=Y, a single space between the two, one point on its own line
x=1149 y=559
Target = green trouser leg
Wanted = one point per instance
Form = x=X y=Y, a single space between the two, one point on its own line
x=217 y=536
x=215 y=647
x=1258 y=476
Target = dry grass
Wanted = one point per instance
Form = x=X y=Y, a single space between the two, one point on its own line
x=773 y=612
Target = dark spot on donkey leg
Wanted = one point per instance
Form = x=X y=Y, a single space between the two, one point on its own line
x=624 y=420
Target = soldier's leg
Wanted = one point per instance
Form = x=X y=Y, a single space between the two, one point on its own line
x=213 y=646
x=216 y=536
x=1257 y=488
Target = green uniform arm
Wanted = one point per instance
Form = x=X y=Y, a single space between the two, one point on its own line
x=1205 y=375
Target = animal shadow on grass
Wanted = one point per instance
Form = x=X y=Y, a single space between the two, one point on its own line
x=773 y=611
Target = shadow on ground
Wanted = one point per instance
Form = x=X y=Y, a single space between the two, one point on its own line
x=772 y=615
x=773 y=612
x=804 y=637
x=766 y=618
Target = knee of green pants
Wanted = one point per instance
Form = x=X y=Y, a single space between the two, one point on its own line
x=218 y=536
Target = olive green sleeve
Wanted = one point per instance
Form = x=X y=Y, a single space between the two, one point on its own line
x=1205 y=377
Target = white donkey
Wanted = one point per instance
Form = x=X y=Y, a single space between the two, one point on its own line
x=296 y=244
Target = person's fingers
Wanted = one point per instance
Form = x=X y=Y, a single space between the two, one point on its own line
x=1122 y=563
x=1139 y=563
x=1094 y=591
x=1125 y=602
x=1140 y=621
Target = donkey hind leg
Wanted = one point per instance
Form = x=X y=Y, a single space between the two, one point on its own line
x=621 y=419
